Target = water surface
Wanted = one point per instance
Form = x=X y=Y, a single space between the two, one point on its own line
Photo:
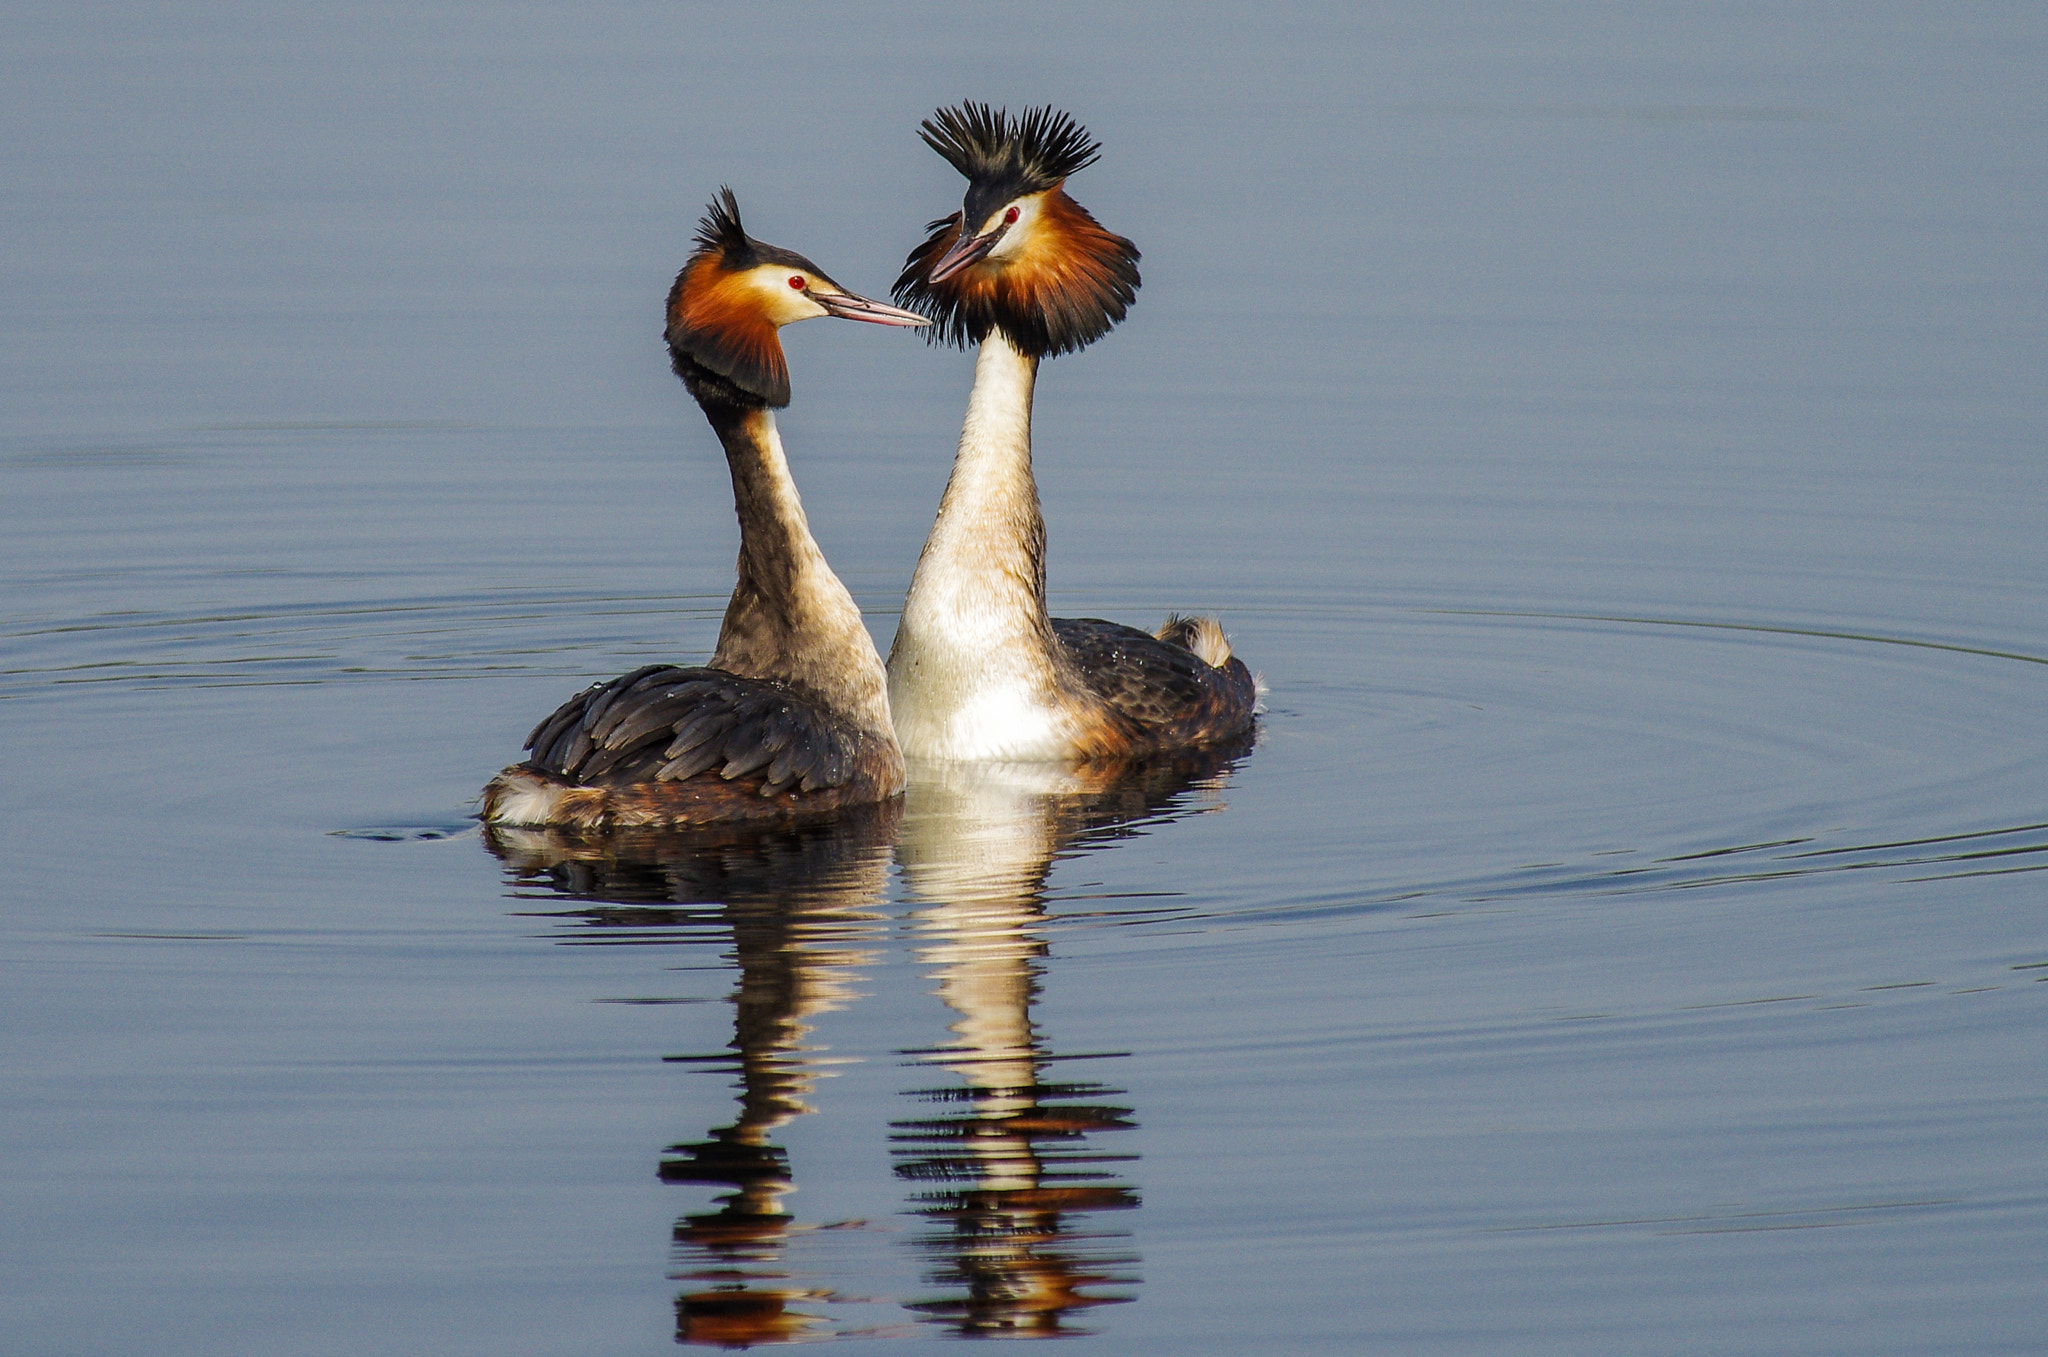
x=1616 y=438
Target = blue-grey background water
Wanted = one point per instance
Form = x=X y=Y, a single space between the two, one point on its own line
x=1615 y=432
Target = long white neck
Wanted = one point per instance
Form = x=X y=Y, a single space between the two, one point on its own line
x=971 y=673
x=790 y=618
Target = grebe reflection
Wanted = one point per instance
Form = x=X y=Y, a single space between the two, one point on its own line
x=799 y=905
x=1019 y=1184
x=1013 y=1165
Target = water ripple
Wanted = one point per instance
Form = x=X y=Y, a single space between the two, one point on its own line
x=457 y=637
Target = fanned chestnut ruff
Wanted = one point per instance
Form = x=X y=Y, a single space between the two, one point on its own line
x=722 y=346
x=1064 y=282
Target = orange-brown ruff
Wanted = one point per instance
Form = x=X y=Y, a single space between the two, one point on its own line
x=1068 y=284
x=791 y=717
x=978 y=669
x=727 y=331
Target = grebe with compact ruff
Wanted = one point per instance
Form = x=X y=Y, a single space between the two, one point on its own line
x=978 y=670
x=791 y=716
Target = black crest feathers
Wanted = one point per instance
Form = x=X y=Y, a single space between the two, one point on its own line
x=720 y=232
x=1071 y=283
x=1003 y=157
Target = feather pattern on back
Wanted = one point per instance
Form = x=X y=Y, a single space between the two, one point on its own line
x=664 y=723
x=670 y=745
x=1161 y=693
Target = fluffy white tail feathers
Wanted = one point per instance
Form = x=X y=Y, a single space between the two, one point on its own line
x=1203 y=635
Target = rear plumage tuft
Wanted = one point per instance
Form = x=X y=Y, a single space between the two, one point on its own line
x=1203 y=635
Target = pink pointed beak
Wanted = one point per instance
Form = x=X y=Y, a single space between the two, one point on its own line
x=852 y=306
x=965 y=251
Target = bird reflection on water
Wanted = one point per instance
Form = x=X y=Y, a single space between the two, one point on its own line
x=1013 y=1183
x=1013 y=1168
x=800 y=906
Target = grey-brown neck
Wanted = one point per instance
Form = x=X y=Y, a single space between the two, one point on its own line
x=790 y=619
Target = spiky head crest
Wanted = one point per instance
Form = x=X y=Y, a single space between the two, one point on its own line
x=1063 y=281
x=720 y=232
x=1003 y=157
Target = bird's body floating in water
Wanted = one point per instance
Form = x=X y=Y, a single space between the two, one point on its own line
x=791 y=716
x=978 y=670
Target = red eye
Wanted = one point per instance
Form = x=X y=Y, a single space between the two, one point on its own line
x=796 y=280
x=1010 y=217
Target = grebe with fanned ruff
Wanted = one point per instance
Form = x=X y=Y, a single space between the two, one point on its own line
x=978 y=670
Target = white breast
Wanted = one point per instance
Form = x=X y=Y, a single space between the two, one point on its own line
x=951 y=703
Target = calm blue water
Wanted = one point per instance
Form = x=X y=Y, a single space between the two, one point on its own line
x=1615 y=433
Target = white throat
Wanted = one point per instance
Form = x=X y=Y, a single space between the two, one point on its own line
x=970 y=674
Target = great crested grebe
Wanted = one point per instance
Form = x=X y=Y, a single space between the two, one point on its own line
x=791 y=716
x=978 y=670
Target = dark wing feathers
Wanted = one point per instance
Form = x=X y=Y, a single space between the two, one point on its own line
x=643 y=719
x=779 y=766
x=549 y=738
x=747 y=746
x=688 y=763
x=694 y=731
x=608 y=693
x=626 y=698
x=666 y=724
x=1172 y=695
